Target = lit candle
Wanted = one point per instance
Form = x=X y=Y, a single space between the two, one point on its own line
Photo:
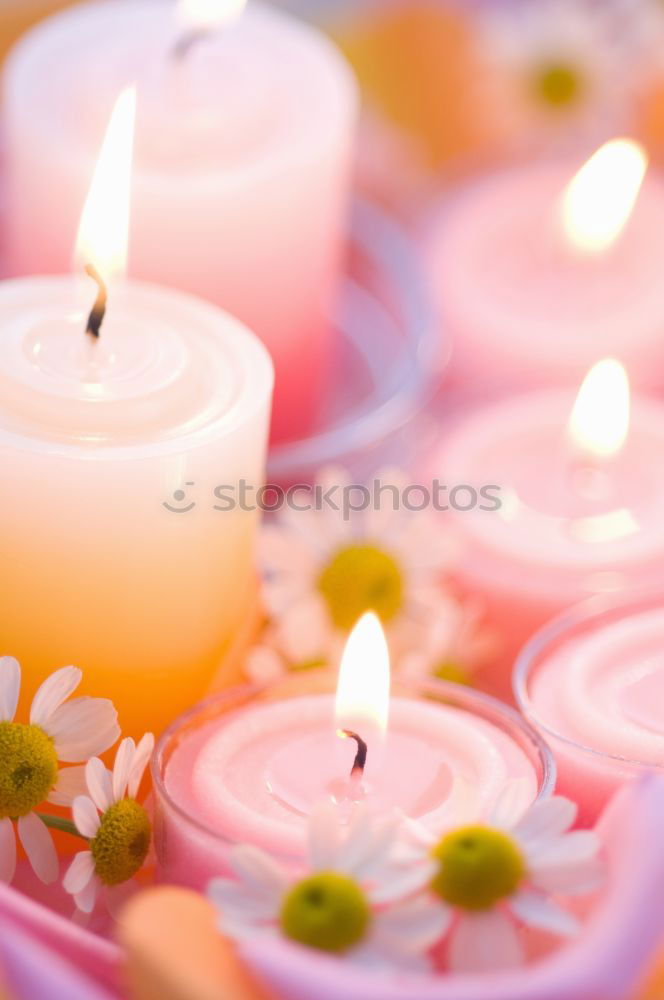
x=537 y=275
x=581 y=492
x=593 y=682
x=250 y=771
x=243 y=150
x=98 y=431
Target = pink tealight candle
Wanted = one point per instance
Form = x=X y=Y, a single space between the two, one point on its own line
x=581 y=494
x=593 y=683
x=538 y=272
x=250 y=770
x=242 y=162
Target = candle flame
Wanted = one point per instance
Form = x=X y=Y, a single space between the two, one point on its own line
x=103 y=234
x=201 y=15
x=601 y=197
x=363 y=690
x=599 y=423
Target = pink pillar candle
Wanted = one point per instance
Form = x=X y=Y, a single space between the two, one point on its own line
x=571 y=523
x=530 y=298
x=242 y=159
x=248 y=768
x=113 y=555
x=593 y=683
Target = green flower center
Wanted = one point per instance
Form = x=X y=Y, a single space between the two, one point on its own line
x=28 y=768
x=558 y=85
x=358 y=579
x=121 y=844
x=328 y=911
x=478 y=867
x=455 y=672
x=315 y=663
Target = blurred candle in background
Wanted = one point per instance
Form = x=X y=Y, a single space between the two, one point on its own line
x=243 y=152
x=538 y=272
x=113 y=556
x=581 y=492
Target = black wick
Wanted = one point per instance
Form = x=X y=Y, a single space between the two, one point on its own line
x=188 y=40
x=360 y=761
x=96 y=317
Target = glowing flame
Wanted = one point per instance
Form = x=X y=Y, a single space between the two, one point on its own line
x=600 y=199
x=363 y=691
x=599 y=423
x=103 y=234
x=200 y=15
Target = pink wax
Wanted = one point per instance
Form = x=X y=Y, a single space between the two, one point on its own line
x=595 y=687
x=568 y=527
x=242 y=161
x=253 y=775
x=525 y=307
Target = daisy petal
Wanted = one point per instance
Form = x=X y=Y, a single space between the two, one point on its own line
x=100 y=787
x=412 y=879
x=39 y=847
x=546 y=818
x=570 y=880
x=141 y=760
x=538 y=911
x=52 y=693
x=367 y=845
x=323 y=838
x=87 y=897
x=79 y=874
x=83 y=728
x=233 y=902
x=413 y=927
x=10 y=686
x=86 y=817
x=258 y=871
x=484 y=942
x=511 y=804
x=124 y=758
x=70 y=784
x=7 y=851
x=574 y=848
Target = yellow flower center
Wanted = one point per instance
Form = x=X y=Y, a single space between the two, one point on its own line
x=121 y=844
x=28 y=768
x=327 y=911
x=449 y=670
x=477 y=867
x=558 y=85
x=358 y=579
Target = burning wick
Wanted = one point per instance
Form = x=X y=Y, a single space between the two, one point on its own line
x=360 y=761
x=96 y=317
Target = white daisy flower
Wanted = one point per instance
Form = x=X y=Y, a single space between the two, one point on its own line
x=117 y=827
x=324 y=570
x=58 y=731
x=354 y=900
x=491 y=878
x=455 y=645
x=558 y=69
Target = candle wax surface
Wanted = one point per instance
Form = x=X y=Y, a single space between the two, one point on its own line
x=255 y=777
x=96 y=438
x=605 y=690
x=524 y=306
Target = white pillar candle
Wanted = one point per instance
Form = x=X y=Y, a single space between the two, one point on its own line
x=105 y=563
x=243 y=150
